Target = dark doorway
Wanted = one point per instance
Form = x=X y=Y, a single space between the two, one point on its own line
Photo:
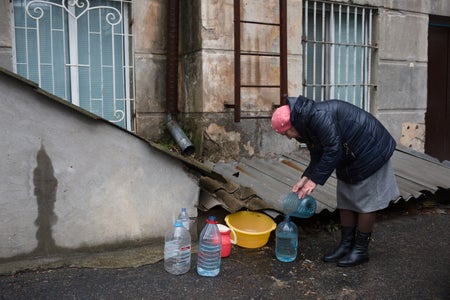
x=437 y=117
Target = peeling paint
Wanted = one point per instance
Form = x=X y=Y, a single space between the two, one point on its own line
x=249 y=148
x=221 y=144
x=413 y=136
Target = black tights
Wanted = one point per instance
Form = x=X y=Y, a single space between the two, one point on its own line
x=364 y=221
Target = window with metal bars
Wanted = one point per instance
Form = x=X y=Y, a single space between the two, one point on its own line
x=337 y=46
x=79 y=51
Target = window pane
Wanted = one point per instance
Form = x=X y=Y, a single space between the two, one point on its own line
x=59 y=69
x=336 y=52
x=77 y=52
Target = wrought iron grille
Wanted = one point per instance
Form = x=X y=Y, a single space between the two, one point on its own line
x=337 y=48
x=79 y=50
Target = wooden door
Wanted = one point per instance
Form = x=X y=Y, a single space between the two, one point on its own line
x=437 y=117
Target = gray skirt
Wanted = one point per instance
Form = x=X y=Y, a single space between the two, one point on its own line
x=371 y=194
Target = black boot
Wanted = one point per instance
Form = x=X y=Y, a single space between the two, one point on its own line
x=347 y=241
x=359 y=253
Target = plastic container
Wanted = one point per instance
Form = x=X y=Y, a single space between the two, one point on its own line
x=177 y=250
x=225 y=233
x=209 y=249
x=286 y=242
x=184 y=218
x=250 y=229
x=300 y=208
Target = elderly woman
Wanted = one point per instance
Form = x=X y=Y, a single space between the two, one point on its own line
x=345 y=138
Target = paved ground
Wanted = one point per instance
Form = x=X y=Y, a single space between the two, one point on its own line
x=409 y=254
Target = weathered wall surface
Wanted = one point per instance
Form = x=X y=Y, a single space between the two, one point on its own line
x=206 y=71
x=401 y=69
x=70 y=181
x=149 y=30
x=400 y=65
x=5 y=35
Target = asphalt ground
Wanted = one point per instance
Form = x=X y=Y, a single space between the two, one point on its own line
x=409 y=259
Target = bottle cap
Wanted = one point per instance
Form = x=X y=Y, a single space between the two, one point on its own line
x=211 y=220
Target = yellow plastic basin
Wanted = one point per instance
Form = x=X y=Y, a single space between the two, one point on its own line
x=250 y=229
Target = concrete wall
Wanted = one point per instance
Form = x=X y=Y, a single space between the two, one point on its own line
x=5 y=35
x=207 y=74
x=70 y=181
x=149 y=30
x=400 y=65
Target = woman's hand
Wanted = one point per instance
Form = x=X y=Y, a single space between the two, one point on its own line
x=303 y=187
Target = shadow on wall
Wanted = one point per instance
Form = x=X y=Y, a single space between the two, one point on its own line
x=45 y=185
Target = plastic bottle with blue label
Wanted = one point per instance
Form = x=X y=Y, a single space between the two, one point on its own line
x=300 y=208
x=210 y=245
x=184 y=218
x=286 y=242
x=177 y=249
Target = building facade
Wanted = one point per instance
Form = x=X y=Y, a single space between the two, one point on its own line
x=116 y=59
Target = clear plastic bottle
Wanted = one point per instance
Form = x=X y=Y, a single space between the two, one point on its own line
x=184 y=218
x=177 y=249
x=286 y=241
x=301 y=208
x=210 y=245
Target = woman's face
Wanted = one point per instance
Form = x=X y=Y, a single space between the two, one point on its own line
x=291 y=133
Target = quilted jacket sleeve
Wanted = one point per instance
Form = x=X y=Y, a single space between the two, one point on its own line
x=324 y=146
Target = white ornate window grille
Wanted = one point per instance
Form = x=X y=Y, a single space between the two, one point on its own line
x=337 y=47
x=79 y=50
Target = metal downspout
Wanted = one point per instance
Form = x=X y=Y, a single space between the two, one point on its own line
x=180 y=137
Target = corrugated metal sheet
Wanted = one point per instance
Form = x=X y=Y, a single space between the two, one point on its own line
x=272 y=177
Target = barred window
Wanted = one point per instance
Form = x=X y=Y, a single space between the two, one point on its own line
x=337 y=46
x=79 y=51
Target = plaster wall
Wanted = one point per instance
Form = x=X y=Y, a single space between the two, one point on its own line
x=400 y=69
x=399 y=99
x=70 y=180
x=149 y=31
x=5 y=35
x=207 y=69
x=217 y=33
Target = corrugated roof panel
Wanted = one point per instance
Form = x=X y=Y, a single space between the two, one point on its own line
x=273 y=177
x=419 y=170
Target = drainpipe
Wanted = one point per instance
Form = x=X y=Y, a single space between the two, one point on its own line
x=172 y=78
x=177 y=133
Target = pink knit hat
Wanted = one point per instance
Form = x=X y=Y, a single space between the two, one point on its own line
x=281 y=119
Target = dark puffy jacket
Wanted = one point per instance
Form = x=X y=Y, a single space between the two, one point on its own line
x=342 y=137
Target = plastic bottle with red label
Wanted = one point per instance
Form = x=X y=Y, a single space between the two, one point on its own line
x=177 y=249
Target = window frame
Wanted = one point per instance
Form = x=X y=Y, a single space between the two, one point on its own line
x=326 y=42
x=123 y=114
